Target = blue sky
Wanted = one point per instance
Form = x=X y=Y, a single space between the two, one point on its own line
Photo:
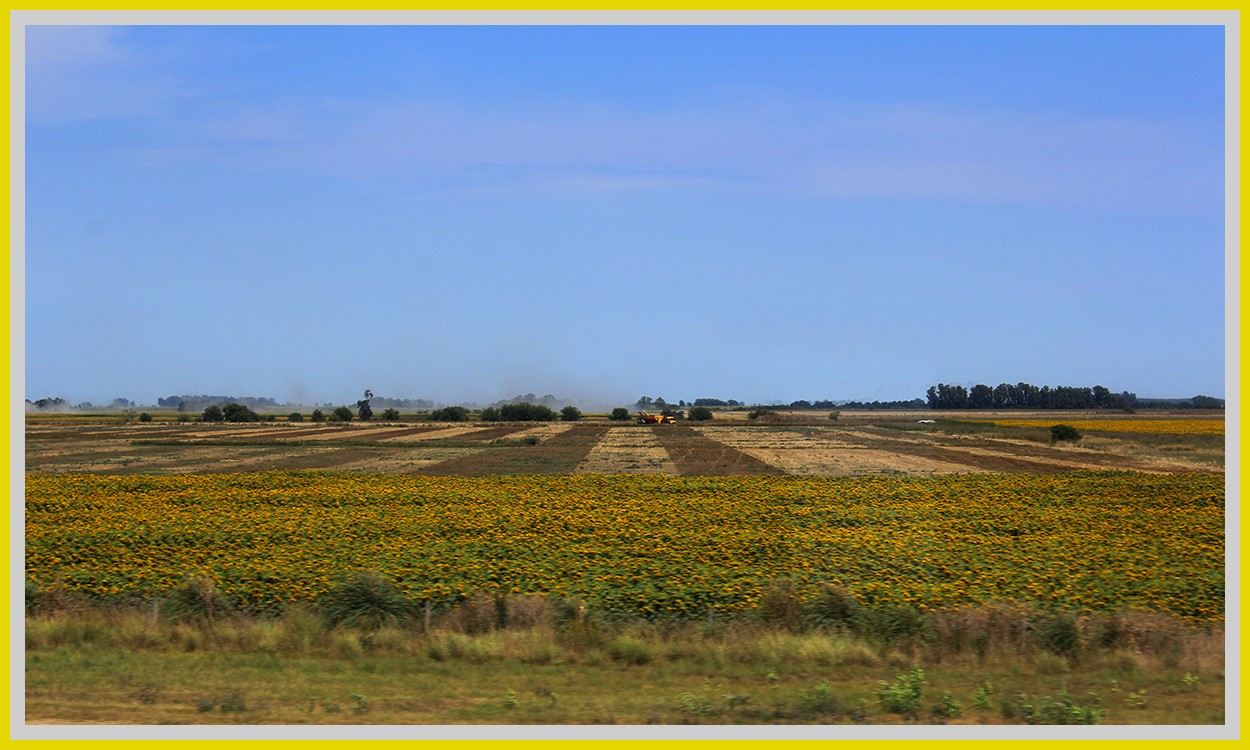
x=764 y=213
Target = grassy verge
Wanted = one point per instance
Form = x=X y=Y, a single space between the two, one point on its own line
x=529 y=660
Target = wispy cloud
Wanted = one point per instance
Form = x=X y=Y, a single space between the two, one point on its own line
x=890 y=152
x=817 y=147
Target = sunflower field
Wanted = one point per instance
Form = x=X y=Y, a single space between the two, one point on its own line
x=649 y=545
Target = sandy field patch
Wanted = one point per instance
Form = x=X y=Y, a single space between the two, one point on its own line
x=628 y=450
x=808 y=454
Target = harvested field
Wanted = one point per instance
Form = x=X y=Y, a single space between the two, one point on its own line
x=632 y=450
x=856 y=444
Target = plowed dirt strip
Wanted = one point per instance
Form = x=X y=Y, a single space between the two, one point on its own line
x=698 y=455
x=628 y=450
x=435 y=433
x=560 y=454
x=1002 y=455
x=805 y=453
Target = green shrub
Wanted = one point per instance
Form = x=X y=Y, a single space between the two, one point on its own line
x=619 y=414
x=630 y=650
x=903 y=696
x=239 y=413
x=341 y=414
x=1064 y=432
x=213 y=414
x=819 y=700
x=391 y=415
x=450 y=414
x=295 y=417
x=145 y=417
x=365 y=599
x=526 y=412
x=700 y=413
x=490 y=414
x=570 y=414
x=318 y=416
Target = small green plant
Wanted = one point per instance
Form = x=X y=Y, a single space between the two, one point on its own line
x=947 y=707
x=530 y=440
x=1191 y=681
x=902 y=696
x=1136 y=699
x=981 y=698
x=697 y=706
x=819 y=700
x=1062 y=709
x=630 y=650
x=510 y=699
x=361 y=703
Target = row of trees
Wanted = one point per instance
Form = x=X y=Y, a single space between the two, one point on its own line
x=1026 y=396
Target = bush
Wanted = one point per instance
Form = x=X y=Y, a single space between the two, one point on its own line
x=295 y=417
x=759 y=412
x=903 y=696
x=490 y=414
x=213 y=414
x=145 y=417
x=365 y=599
x=526 y=412
x=570 y=413
x=391 y=415
x=700 y=413
x=619 y=414
x=1064 y=432
x=239 y=413
x=341 y=414
x=318 y=416
x=450 y=414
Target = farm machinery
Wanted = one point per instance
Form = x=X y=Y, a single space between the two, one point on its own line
x=645 y=418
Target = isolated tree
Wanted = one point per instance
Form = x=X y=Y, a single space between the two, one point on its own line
x=570 y=413
x=342 y=414
x=213 y=414
x=318 y=416
x=295 y=417
x=619 y=414
x=391 y=415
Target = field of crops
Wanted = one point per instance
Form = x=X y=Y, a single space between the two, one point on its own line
x=643 y=544
x=1149 y=426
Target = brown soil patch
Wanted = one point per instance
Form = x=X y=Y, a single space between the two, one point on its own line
x=694 y=454
x=560 y=454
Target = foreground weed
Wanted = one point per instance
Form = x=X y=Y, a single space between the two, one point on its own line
x=947 y=707
x=1061 y=709
x=903 y=696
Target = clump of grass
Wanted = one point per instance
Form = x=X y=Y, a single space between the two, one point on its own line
x=196 y=601
x=366 y=600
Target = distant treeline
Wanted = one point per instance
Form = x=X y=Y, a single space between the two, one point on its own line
x=1026 y=396
x=202 y=401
